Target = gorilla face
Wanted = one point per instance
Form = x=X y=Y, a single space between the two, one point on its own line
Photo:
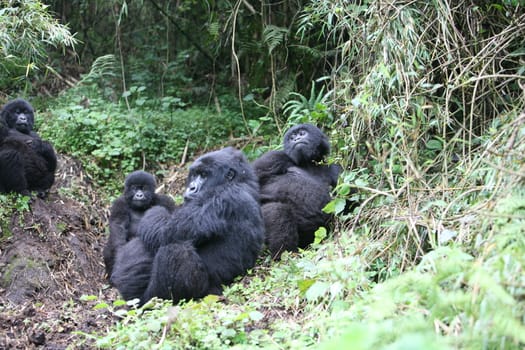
x=19 y=115
x=139 y=189
x=305 y=143
x=209 y=172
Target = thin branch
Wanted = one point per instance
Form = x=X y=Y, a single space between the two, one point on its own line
x=237 y=64
x=176 y=25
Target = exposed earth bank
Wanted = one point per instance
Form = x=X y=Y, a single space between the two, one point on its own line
x=50 y=256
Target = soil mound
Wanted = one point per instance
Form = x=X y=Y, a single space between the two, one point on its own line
x=49 y=258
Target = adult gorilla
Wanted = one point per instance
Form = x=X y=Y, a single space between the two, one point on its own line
x=127 y=211
x=27 y=162
x=295 y=188
x=213 y=237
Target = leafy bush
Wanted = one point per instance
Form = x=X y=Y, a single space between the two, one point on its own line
x=190 y=324
x=474 y=301
x=413 y=111
x=27 y=30
x=112 y=141
x=315 y=109
x=9 y=205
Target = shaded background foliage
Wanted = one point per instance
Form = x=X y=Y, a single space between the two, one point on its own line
x=201 y=46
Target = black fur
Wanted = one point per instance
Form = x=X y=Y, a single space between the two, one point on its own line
x=295 y=188
x=215 y=236
x=127 y=211
x=27 y=163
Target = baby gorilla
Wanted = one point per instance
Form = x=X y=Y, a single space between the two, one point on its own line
x=27 y=163
x=295 y=188
x=215 y=236
x=127 y=211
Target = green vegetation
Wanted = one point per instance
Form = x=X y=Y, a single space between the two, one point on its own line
x=27 y=30
x=9 y=205
x=112 y=140
x=424 y=104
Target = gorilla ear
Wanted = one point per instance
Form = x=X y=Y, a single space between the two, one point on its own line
x=230 y=174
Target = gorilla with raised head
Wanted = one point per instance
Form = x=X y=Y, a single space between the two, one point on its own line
x=27 y=163
x=295 y=188
x=127 y=211
x=215 y=236
x=19 y=115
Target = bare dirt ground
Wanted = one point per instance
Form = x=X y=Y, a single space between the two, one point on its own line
x=52 y=257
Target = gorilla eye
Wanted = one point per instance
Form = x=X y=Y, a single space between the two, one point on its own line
x=298 y=134
x=202 y=173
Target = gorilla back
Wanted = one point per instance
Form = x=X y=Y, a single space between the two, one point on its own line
x=215 y=236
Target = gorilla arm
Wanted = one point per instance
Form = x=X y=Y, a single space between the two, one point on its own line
x=271 y=164
x=48 y=153
x=119 y=221
x=39 y=146
x=154 y=228
x=164 y=201
x=198 y=225
x=325 y=174
x=118 y=230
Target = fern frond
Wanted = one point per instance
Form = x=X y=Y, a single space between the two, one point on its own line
x=274 y=36
x=103 y=66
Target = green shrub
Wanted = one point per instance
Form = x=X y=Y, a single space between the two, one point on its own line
x=112 y=141
x=27 y=31
x=11 y=204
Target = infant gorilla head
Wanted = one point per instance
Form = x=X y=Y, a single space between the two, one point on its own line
x=139 y=190
x=215 y=236
x=295 y=188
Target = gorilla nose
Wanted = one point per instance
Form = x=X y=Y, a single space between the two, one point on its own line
x=190 y=192
x=22 y=118
x=139 y=195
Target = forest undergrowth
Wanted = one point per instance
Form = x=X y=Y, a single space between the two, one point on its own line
x=426 y=116
x=364 y=288
x=424 y=106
